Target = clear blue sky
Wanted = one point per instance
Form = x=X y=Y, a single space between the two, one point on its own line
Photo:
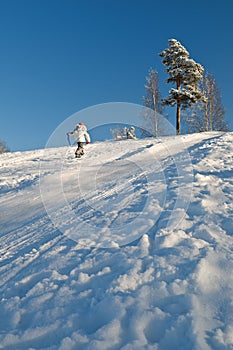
x=60 y=56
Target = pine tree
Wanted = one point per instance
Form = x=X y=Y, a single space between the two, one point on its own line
x=185 y=73
x=152 y=100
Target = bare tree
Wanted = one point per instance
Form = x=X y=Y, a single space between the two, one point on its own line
x=215 y=112
x=195 y=118
x=185 y=73
x=118 y=133
x=3 y=147
x=207 y=115
x=152 y=100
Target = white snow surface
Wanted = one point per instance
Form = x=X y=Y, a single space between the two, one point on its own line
x=168 y=286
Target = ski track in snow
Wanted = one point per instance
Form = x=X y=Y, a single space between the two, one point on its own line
x=170 y=289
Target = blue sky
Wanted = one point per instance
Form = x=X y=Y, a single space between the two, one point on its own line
x=61 y=56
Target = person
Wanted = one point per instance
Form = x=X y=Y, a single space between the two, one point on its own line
x=124 y=132
x=131 y=133
x=81 y=136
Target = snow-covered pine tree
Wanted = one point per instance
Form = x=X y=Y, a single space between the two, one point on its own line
x=185 y=73
x=152 y=100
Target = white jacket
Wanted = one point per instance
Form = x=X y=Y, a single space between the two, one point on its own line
x=80 y=134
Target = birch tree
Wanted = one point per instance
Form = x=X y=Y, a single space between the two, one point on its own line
x=214 y=110
x=207 y=115
x=152 y=100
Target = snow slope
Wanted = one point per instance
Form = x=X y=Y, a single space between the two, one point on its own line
x=131 y=248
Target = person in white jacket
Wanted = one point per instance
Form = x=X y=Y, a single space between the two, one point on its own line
x=131 y=133
x=81 y=137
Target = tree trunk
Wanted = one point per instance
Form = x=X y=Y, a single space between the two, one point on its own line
x=178 y=109
x=155 y=117
x=211 y=114
x=206 y=117
x=178 y=118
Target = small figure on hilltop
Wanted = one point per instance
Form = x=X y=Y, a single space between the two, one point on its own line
x=123 y=134
x=81 y=137
x=131 y=133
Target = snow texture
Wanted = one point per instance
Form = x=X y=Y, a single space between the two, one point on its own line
x=166 y=289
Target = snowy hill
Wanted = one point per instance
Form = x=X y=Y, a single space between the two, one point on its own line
x=131 y=248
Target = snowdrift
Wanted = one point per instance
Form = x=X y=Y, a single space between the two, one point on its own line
x=128 y=248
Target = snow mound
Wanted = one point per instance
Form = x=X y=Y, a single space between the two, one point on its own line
x=149 y=263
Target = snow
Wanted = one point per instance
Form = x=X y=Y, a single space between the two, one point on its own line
x=127 y=248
